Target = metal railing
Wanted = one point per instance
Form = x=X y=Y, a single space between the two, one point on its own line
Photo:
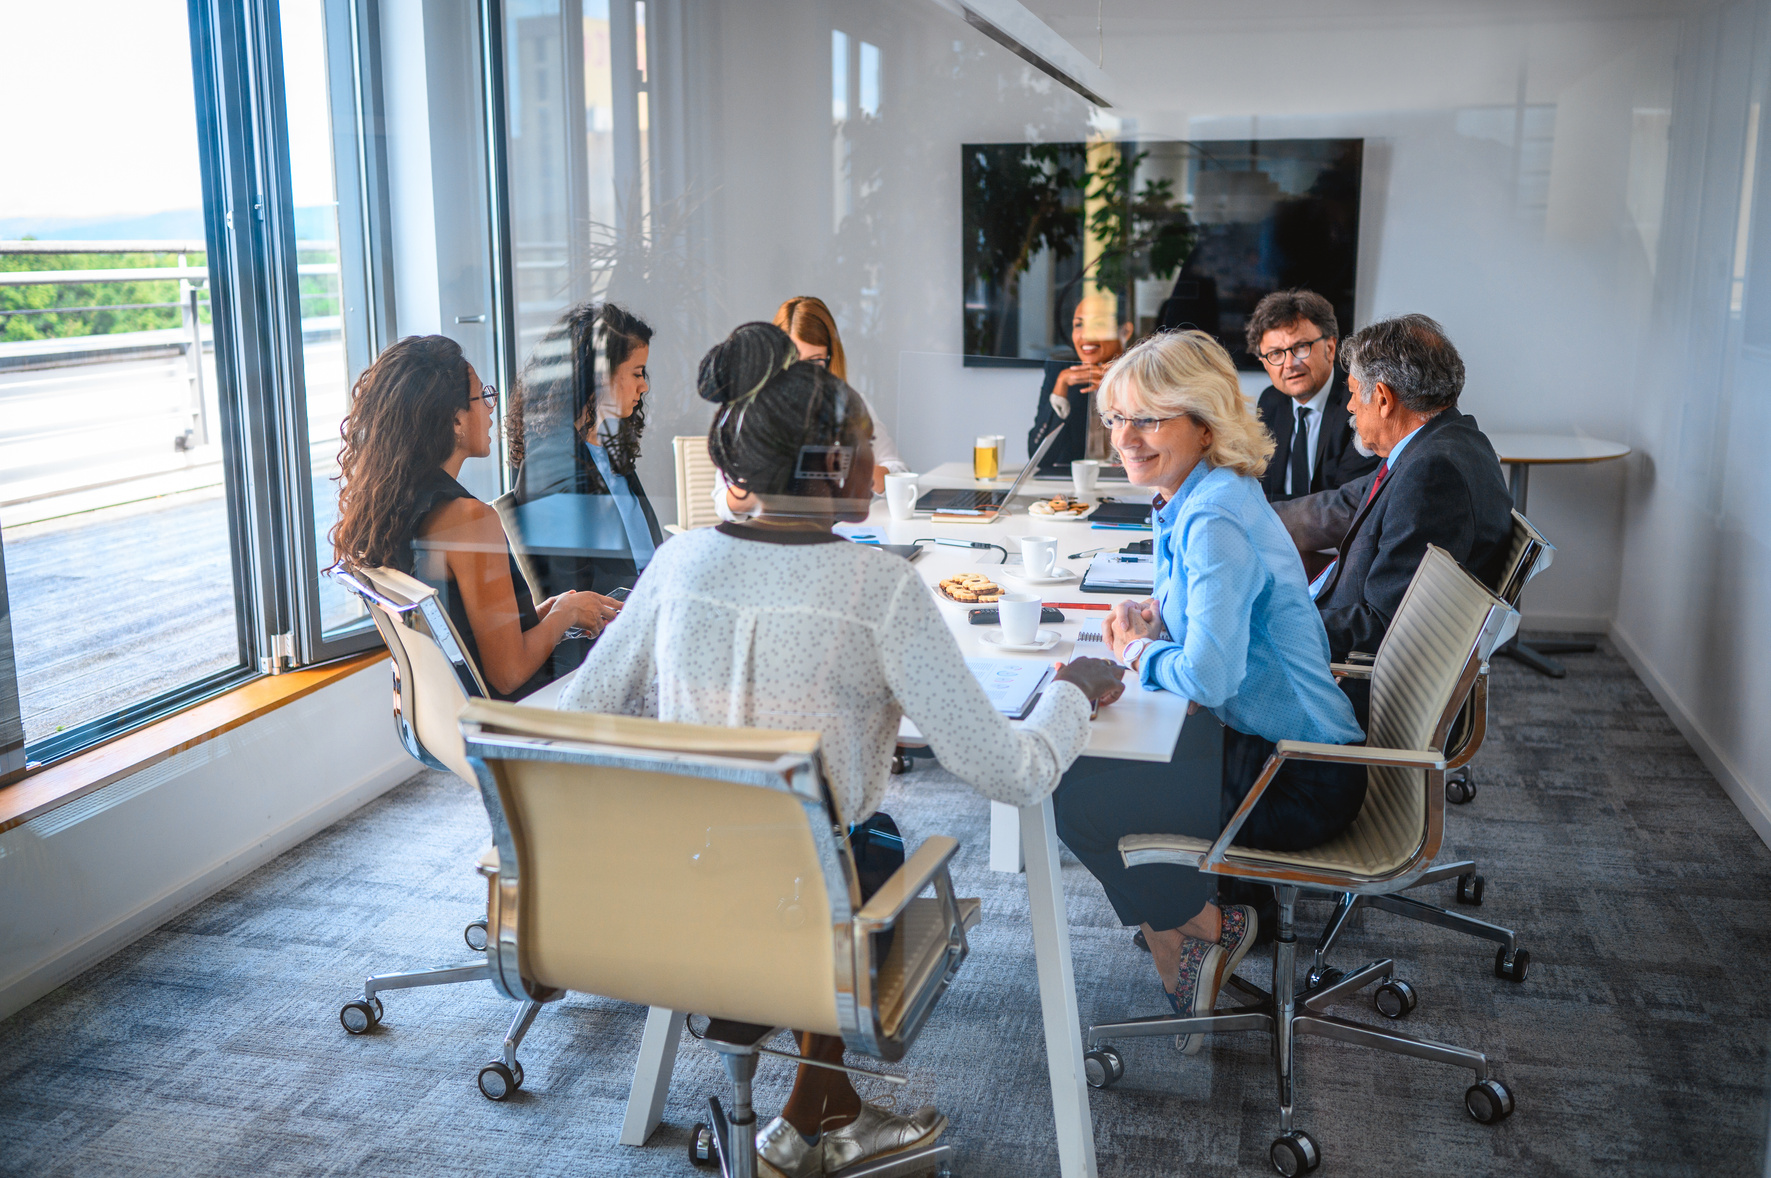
x=192 y=281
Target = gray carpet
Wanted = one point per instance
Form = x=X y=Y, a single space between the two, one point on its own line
x=1638 y=1044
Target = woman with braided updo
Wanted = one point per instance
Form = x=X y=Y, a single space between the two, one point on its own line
x=777 y=622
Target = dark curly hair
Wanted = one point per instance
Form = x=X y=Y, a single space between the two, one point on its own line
x=773 y=408
x=400 y=430
x=557 y=392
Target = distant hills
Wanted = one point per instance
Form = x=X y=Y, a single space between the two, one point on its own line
x=311 y=224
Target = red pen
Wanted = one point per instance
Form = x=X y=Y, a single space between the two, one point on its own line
x=1080 y=605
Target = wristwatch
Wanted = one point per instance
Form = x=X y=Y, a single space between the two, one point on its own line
x=1134 y=650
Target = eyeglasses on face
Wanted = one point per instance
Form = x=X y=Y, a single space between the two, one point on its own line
x=488 y=394
x=1299 y=352
x=821 y=361
x=1142 y=425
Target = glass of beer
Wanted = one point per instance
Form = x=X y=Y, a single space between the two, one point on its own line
x=984 y=454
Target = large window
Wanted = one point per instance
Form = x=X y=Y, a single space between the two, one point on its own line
x=154 y=532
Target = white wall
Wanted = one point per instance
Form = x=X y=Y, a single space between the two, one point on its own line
x=86 y=879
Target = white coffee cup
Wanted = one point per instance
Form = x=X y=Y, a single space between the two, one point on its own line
x=901 y=495
x=1083 y=474
x=1020 y=617
x=1039 y=556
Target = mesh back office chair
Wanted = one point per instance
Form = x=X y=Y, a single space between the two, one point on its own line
x=1528 y=555
x=1442 y=634
x=433 y=680
x=694 y=484
x=610 y=829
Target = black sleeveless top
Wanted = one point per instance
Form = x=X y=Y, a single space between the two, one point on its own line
x=428 y=566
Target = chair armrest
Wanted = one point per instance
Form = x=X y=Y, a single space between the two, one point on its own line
x=1359 y=754
x=1359 y=656
x=1350 y=670
x=894 y=896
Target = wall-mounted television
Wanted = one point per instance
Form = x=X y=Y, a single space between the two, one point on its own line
x=1180 y=233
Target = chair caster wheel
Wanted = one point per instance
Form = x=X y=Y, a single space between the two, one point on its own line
x=1328 y=976
x=1489 y=1101
x=1394 y=998
x=477 y=935
x=361 y=1017
x=1295 y=1153
x=945 y=1170
x=701 y=1147
x=498 y=1082
x=1514 y=969
x=1460 y=786
x=1470 y=887
x=1103 y=1066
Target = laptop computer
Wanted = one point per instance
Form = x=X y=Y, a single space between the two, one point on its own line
x=984 y=504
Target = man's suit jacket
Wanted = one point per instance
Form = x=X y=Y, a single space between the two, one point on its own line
x=1446 y=489
x=1338 y=461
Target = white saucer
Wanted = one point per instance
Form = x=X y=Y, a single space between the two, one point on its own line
x=1044 y=640
x=1058 y=577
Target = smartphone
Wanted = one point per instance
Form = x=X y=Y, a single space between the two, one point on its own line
x=989 y=617
x=619 y=593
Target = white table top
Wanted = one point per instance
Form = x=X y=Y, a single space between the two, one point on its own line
x=1141 y=726
x=959 y=475
x=1546 y=449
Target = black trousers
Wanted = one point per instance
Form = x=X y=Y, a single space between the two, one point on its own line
x=1195 y=793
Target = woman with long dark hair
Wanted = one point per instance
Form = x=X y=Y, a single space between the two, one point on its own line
x=574 y=429
x=416 y=415
x=778 y=622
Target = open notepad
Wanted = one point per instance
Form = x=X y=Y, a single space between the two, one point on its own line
x=1013 y=685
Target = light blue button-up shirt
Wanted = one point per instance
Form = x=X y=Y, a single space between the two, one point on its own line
x=627 y=504
x=1244 y=638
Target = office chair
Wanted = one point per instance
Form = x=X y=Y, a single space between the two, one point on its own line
x=609 y=829
x=1529 y=554
x=1445 y=629
x=433 y=679
x=694 y=484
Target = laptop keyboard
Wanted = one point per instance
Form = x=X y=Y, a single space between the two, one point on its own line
x=964 y=500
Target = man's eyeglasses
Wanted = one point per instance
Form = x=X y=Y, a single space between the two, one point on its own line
x=488 y=394
x=1298 y=352
x=1143 y=425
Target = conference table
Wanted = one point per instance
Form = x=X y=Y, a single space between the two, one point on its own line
x=1141 y=726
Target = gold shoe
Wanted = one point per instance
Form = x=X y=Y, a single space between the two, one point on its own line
x=787 y=1154
x=877 y=1133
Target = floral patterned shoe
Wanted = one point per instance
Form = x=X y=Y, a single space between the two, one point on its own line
x=1240 y=926
x=1196 y=992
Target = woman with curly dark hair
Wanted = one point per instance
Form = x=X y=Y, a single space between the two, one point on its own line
x=574 y=429
x=416 y=415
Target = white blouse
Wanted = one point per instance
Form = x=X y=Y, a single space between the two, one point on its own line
x=838 y=637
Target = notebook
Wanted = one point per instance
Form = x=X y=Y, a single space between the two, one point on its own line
x=1013 y=685
x=1114 y=572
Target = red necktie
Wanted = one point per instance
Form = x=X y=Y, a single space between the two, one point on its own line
x=1382 y=473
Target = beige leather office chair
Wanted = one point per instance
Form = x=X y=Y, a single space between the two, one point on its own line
x=694 y=484
x=1529 y=555
x=506 y=507
x=1445 y=629
x=700 y=869
x=433 y=680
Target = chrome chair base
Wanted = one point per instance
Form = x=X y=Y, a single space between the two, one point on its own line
x=1511 y=962
x=1286 y=1014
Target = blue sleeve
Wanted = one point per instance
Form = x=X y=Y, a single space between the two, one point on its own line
x=1208 y=659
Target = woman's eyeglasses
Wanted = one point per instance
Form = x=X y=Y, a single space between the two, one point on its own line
x=488 y=394
x=1142 y=425
x=821 y=361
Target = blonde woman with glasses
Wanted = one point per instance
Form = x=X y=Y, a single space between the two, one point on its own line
x=1232 y=628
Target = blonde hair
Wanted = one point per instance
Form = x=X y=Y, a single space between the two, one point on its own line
x=1188 y=374
x=805 y=317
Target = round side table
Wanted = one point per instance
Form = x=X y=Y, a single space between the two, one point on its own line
x=1521 y=452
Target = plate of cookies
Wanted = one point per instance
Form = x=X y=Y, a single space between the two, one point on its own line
x=970 y=589
x=1061 y=506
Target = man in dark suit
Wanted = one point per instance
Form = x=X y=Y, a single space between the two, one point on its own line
x=1440 y=483
x=1294 y=333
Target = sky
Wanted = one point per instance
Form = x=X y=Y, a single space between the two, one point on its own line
x=111 y=129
